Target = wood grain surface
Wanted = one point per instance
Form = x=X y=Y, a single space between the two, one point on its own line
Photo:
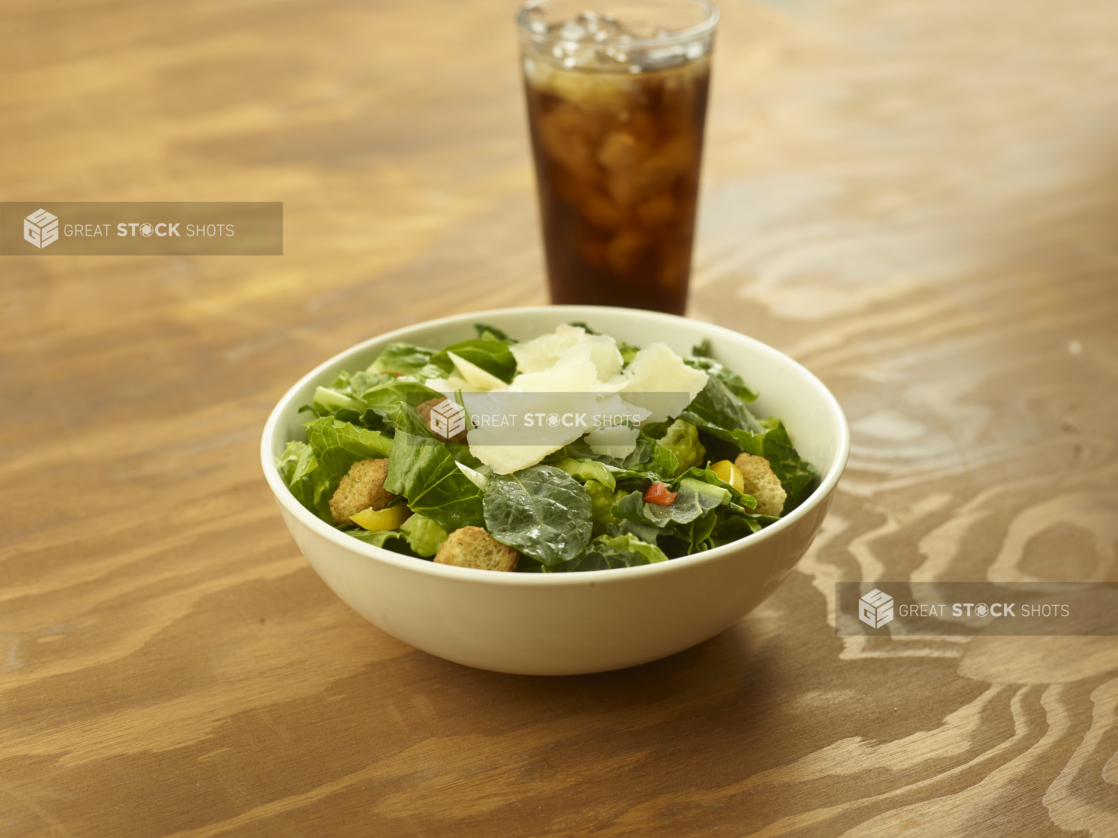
x=917 y=200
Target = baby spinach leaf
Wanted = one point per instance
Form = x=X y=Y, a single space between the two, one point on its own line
x=541 y=511
x=606 y=551
x=645 y=532
x=686 y=539
x=735 y=523
x=687 y=506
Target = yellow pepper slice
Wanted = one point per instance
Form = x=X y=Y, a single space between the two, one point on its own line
x=381 y=519
x=729 y=473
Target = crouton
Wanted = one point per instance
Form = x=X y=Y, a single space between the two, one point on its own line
x=424 y=411
x=361 y=488
x=762 y=484
x=474 y=547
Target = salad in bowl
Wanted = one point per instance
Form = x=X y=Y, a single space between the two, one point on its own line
x=550 y=452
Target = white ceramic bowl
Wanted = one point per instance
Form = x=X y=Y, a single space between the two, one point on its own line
x=563 y=624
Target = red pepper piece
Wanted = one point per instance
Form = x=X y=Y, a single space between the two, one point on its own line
x=658 y=493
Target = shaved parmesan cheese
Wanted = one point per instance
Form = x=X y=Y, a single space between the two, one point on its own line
x=452 y=384
x=543 y=352
x=566 y=376
x=617 y=442
x=574 y=372
x=505 y=459
x=656 y=369
x=474 y=374
x=605 y=355
x=476 y=477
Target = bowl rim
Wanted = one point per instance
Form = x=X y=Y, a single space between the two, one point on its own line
x=288 y=502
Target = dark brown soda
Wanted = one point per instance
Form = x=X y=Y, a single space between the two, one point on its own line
x=617 y=161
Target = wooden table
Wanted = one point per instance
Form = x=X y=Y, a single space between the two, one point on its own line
x=919 y=201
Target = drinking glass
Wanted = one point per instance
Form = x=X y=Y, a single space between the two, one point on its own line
x=617 y=104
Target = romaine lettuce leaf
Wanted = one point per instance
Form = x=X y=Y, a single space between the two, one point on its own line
x=405 y=418
x=707 y=476
x=664 y=462
x=299 y=469
x=637 y=470
x=587 y=470
x=487 y=332
x=628 y=352
x=582 y=326
x=602 y=499
x=402 y=359
x=423 y=470
x=424 y=535
x=718 y=406
x=387 y=395
x=363 y=380
x=682 y=439
x=734 y=382
x=541 y=511
x=796 y=475
x=328 y=401
x=702 y=349
x=580 y=450
x=393 y=540
x=372 y=418
x=338 y=445
x=493 y=356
